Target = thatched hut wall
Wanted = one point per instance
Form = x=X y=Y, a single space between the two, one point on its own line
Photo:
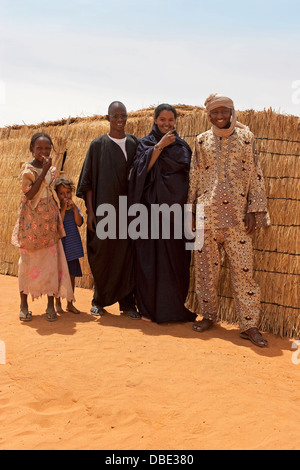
x=276 y=249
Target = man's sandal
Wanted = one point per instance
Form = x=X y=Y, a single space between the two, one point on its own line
x=255 y=337
x=203 y=325
x=97 y=311
x=25 y=316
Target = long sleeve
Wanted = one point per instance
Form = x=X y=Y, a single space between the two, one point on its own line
x=194 y=177
x=85 y=181
x=257 y=199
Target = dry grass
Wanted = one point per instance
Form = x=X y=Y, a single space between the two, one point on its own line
x=276 y=249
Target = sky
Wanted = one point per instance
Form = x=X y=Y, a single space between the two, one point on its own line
x=74 y=57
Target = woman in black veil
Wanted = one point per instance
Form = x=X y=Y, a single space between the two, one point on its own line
x=160 y=175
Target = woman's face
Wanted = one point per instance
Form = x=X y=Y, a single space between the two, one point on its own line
x=41 y=148
x=165 y=121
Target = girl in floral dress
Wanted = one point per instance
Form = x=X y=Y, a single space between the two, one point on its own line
x=43 y=268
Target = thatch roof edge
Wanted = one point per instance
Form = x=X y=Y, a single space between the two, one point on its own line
x=131 y=114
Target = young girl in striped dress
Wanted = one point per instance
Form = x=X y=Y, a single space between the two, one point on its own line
x=72 y=219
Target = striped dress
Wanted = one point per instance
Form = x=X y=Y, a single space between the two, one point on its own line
x=72 y=243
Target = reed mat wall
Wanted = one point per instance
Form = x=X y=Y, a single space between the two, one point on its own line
x=276 y=249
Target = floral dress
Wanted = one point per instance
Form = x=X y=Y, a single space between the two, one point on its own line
x=42 y=265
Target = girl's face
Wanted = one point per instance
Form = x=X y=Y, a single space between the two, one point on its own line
x=165 y=121
x=220 y=117
x=41 y=148
x=64 y=193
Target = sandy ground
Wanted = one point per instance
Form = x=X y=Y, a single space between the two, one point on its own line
x=115 y=383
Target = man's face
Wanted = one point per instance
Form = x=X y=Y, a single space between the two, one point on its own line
x=117 y=118
x=220 y=117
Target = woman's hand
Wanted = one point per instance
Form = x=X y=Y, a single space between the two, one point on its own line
x=190 y=224
x=167 y=139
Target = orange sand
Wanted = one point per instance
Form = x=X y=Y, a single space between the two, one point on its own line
x=114 y=383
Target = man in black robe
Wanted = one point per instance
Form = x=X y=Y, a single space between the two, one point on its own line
x=103 y=179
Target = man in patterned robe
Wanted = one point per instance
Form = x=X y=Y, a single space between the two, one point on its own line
x=226 y=179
